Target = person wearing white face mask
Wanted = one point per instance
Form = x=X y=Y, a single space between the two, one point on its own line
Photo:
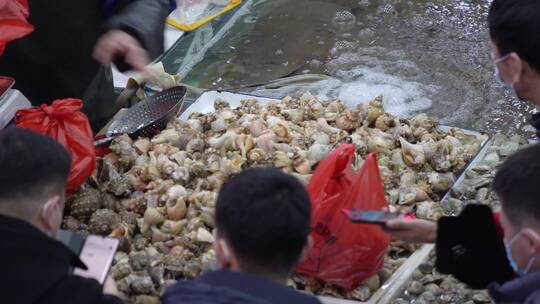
x=36 y=268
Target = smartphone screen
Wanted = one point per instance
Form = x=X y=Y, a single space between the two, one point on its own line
x=97 y=253
x=369 y=216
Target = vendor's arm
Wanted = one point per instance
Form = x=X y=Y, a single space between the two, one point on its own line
x=135 y=33
x=412 y=231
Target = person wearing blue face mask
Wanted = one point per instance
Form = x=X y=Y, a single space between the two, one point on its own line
x=516 y=184
x=513 y=26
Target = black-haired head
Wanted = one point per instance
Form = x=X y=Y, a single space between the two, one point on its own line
x=33 y=168
x=264 y=215
x=517 y=183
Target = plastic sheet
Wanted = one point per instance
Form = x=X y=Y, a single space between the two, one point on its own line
x=64 y=122
x=345 y=253
x=13 y=24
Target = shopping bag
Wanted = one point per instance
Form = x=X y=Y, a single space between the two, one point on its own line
x=64 y=122
x=13 y=25
x=191 y=14
x=345 y=253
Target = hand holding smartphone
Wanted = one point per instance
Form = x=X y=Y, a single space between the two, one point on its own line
x=98 y=254
x=373 y=217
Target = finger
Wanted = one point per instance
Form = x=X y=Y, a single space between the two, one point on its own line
x=105 y=50
x=397 y=224
x=136 y=57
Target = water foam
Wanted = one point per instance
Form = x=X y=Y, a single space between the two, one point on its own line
x=361 y=78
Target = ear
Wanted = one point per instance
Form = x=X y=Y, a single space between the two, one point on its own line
x=533 y=240
x=515 y=68
x=223 y=255
x=306 y=250
x=49 y=213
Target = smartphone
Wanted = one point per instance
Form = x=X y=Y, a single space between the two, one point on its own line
x=72 y=240
x=372 y=217
x=98 y=254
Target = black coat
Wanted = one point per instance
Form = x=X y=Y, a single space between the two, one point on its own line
x=227 y=287
x=521 y=290
x=36 y=269
x=55 y=61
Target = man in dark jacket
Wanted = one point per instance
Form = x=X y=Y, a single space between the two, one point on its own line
x=263 y=224
x=35 y=267
x=56 y=60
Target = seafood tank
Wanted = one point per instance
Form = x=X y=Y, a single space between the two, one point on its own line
x=423 y=56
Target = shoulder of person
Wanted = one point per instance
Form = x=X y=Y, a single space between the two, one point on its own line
x=199 y=292
x=79 y=290
x=534 y=298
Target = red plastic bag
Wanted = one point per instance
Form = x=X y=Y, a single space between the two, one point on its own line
x=13 y=25
x=345 y=253
x=64 y=122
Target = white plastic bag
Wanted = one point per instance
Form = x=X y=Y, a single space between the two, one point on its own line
x=191 y=14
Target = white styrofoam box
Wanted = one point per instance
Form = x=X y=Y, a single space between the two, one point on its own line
x=10 y=103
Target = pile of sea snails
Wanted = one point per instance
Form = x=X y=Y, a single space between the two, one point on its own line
x=429 y=286
x=159 y=194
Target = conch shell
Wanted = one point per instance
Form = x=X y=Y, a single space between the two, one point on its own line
x=318 y=152
x=166 y=136
x=321 y=138
x=225 y=141
x=282 y=160
x=257 y=127
x=374 y=110
x=142 y=145
x=266 y=141
x=204 y=236
x=348 y=121
x=176 y=192
x=152 y=216
x=441 y=182
x=384 y=122
x=195 y=145
x=333 y=110
x=173 y=227
x=233 y=165
x=244 y=143
x=282 y=132
x=176 y=209
x=413 y=155
x=322 y=125
x=301 y=165
x=218 y=125
x=294 y=115
x=423 y=121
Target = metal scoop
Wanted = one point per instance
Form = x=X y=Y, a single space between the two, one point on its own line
x=148 y=116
